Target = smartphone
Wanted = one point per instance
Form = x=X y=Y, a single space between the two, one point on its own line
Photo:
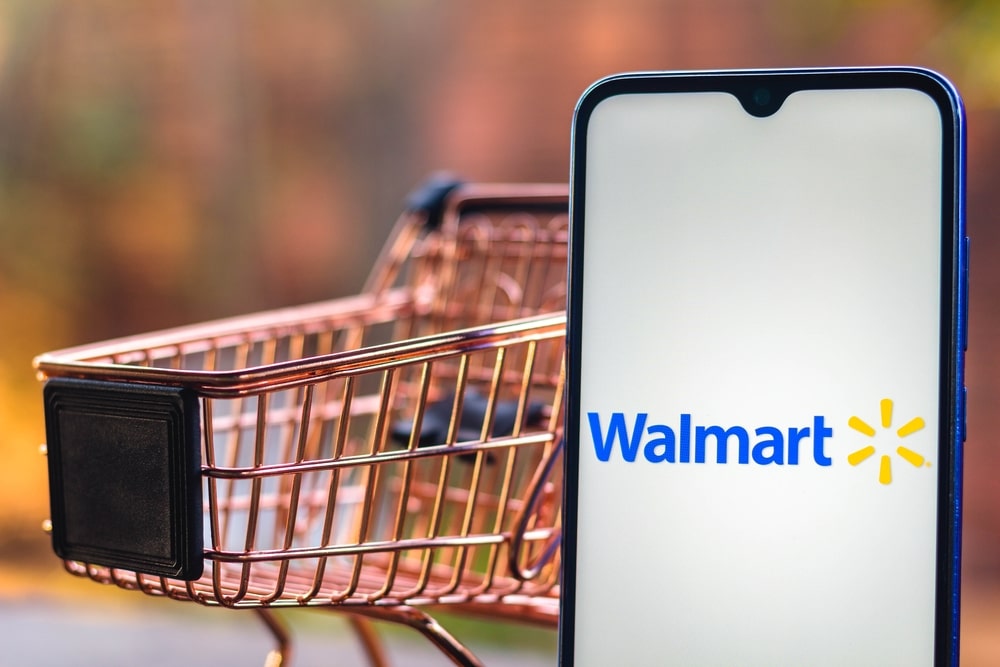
x=767 y=327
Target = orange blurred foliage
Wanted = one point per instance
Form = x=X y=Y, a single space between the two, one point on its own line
x=163 y=163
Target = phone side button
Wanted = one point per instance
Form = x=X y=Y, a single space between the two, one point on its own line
x=963 y=414
x=964 y=321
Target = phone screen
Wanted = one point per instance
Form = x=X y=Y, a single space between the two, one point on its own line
x=766 y=335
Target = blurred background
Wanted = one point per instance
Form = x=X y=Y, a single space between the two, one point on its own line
x=172 y=161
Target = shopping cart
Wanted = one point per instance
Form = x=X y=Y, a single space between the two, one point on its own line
x=379 y=455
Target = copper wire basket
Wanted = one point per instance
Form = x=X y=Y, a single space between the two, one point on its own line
x=379 y=455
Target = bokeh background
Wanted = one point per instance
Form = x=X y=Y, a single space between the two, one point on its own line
x=171 y=161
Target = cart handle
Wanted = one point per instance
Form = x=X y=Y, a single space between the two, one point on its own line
x=430 y=199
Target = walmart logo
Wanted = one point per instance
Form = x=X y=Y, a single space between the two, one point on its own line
x=688 y=442
x=637 y=437
x=885 y=461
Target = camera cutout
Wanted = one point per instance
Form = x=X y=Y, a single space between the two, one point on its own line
x=762 y=101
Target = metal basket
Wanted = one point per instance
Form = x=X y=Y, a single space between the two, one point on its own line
x=375 y=454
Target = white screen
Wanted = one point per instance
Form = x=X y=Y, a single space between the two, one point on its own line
x=772 y=275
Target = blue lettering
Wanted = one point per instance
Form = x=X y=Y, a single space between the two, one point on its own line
x=819 y=433
x=795 y=435
x=685 y=454
x=604 y=444
x=666 y=441
x=776 y=445
x=661 y=443
x=721 y=442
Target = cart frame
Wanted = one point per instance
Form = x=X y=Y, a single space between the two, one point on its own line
x=377 y=454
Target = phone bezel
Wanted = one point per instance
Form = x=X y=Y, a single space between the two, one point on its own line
x=954 y=296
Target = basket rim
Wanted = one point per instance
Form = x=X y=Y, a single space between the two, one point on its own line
x=77 y=362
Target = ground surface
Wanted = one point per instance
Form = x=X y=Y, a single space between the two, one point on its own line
x=80 y=624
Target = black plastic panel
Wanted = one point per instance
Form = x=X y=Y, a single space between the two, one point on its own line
x=124 y=476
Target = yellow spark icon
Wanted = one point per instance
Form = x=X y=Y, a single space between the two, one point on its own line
x=885 y=463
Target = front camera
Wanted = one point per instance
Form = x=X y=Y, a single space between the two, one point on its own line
x=762 y=97
x=763 y=101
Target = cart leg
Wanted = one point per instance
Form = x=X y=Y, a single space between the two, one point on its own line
x=282 y=655
x=425 y=625
x=369 y=640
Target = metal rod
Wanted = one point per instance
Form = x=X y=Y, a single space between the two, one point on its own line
x=282 y=655
x=370 y=642
x=425 y=624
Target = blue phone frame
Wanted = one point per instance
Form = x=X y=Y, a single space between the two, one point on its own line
x=954 y=297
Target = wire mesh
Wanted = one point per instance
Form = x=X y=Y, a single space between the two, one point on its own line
x=399 y=447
